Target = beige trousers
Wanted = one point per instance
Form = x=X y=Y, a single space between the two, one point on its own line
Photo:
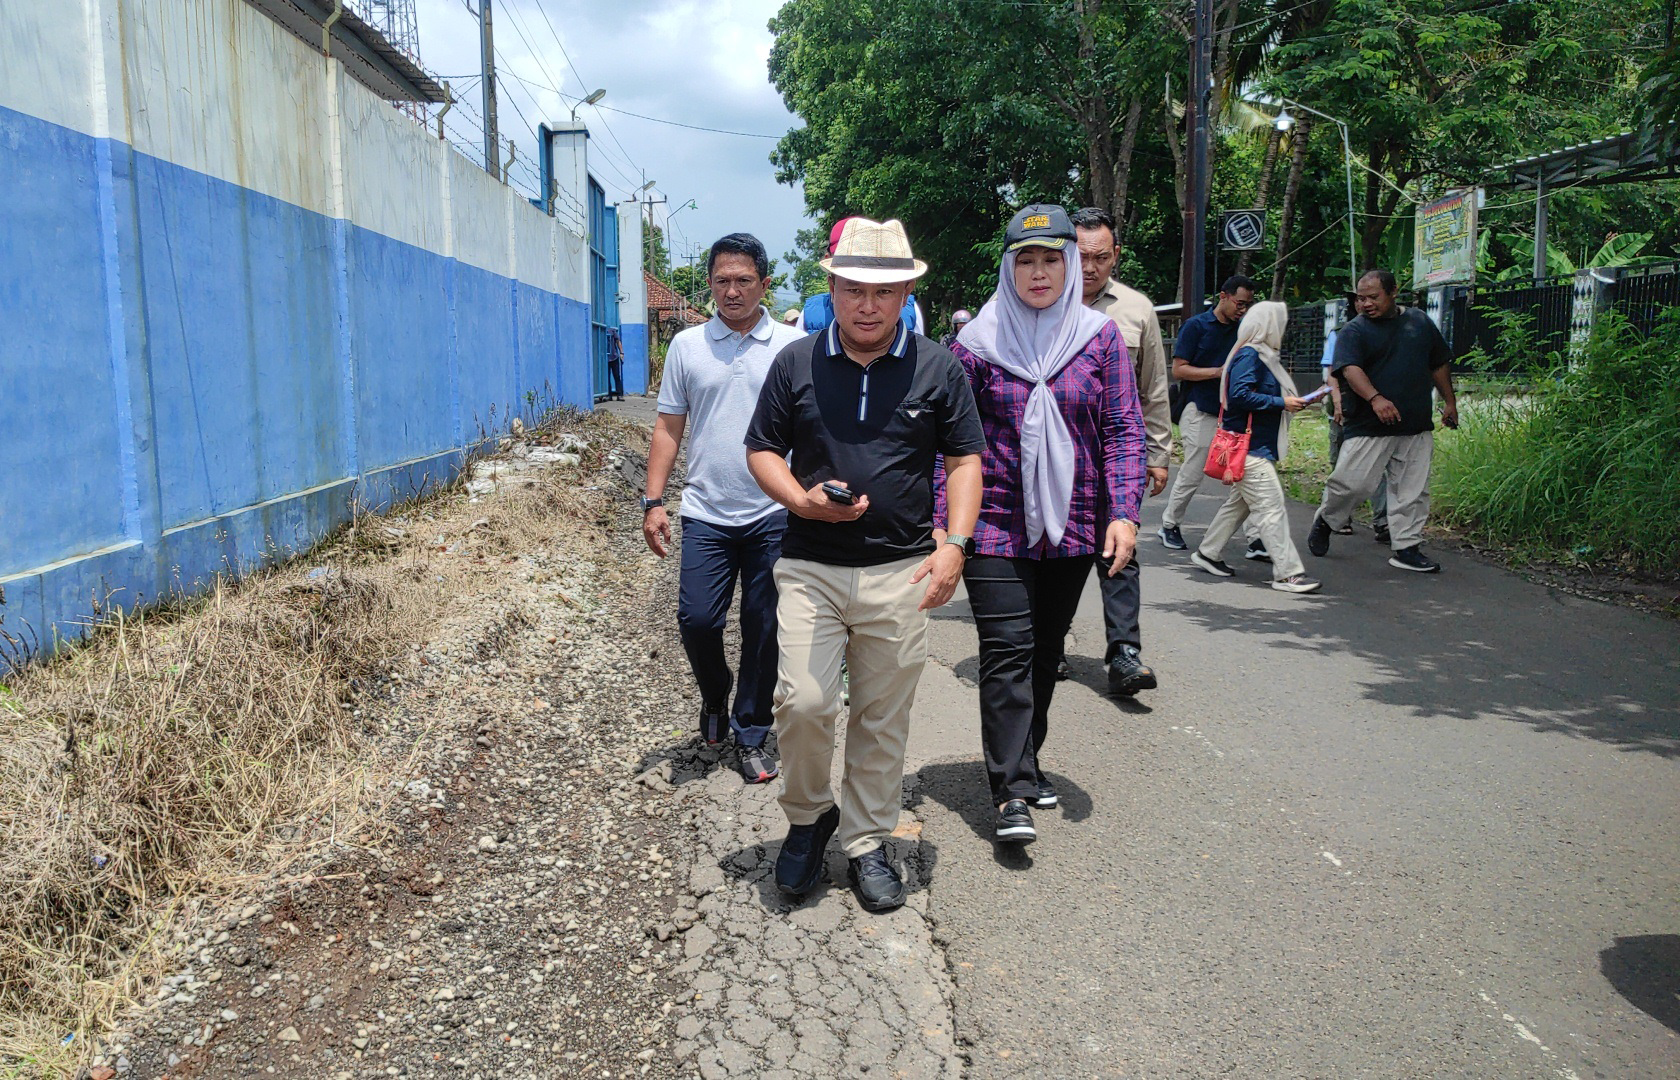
x=1367 y=459
x=1258 y=500
x=1195 y=434
x=868 y=615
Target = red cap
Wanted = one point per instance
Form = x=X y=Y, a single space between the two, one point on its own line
x=834 y=234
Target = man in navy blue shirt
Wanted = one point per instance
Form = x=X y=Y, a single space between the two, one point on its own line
x=1204 y=342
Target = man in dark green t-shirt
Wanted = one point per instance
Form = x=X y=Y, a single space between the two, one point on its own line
x=1388 y=363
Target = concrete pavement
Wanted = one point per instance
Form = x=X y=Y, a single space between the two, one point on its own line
x=1413 y=826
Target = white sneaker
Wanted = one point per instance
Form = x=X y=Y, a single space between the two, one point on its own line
x=1300 y=583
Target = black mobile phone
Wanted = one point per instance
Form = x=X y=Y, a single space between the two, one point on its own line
x=838 y=493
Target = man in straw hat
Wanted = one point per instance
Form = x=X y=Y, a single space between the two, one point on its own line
x=844 y=436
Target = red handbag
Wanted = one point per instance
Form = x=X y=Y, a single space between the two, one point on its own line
x=1228 y=454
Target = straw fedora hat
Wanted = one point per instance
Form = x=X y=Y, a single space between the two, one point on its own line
x=874 y=253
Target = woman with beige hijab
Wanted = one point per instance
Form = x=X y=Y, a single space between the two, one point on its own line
x=1259 y=397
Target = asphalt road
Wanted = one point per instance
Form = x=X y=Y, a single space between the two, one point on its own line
x=1412 y=827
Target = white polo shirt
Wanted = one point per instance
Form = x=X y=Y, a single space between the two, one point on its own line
x=713 y=376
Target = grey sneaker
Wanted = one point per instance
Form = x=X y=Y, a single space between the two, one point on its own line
x=1299 y=583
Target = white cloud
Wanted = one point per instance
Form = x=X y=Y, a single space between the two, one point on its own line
x=697 y=63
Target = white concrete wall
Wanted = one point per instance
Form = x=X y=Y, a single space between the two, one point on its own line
x=632 y=290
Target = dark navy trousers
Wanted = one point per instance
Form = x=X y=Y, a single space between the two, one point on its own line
x=714 y=557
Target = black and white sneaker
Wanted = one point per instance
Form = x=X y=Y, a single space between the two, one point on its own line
x=1216 y=567
x=756 y=765
x=1014 y=823
x=1415 y=560
x=1172 y=538
x=1257 y=551
x=1046 y=797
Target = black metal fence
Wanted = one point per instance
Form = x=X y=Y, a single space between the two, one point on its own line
x=1643 y=293
x=1547 y=305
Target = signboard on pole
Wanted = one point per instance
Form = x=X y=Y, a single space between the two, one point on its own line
x=1242 y=230
x=1445 y=248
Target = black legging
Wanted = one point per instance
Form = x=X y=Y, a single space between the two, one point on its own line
x=1022 y=610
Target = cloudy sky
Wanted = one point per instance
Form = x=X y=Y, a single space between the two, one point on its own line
x=698 y=63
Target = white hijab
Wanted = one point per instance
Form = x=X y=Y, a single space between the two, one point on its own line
x=1035 y=345
x=1262 y=330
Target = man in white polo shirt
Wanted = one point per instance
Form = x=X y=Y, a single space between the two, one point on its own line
x=731 y=529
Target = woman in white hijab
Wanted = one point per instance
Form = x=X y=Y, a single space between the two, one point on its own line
x=1259 y=397
x=1063 y=470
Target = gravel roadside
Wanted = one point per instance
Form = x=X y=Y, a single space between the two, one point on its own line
x=568 y=884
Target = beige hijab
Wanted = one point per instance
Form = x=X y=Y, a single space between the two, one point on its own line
x=1262 y=330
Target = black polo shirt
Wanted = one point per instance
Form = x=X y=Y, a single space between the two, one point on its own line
x=1399 y=355
x=876 y=428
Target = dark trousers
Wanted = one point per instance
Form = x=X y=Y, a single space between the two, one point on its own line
x=1022 y=610
x=1122 y=597
x=713 y=557
x=615 y=379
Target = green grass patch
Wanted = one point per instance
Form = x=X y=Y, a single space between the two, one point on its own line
x=1585 y=467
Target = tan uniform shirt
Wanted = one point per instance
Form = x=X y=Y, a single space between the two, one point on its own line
x=1140 y=327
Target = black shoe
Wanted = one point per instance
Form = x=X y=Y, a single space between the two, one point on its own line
x=1014 y=823
x=1257 y=551
x=1414 y=559
x=1216 y=567
x=1172 y=538
x=1345 y=530
x=1318 y=537
x=1062 y=669
x=714 y=723
x=800 y=865
x=1127 y=674
x=1046 y=797
x=756 y=765
x=1380 y=533
x=879 y=888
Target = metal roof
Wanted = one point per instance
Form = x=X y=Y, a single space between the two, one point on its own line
x=367 y=56
x=1616 y=159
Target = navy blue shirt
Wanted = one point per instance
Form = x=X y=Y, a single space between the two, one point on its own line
x=1203 y=341
x=1252 y=392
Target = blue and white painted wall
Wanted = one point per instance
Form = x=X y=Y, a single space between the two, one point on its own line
x=632 y=298
x=238 y=293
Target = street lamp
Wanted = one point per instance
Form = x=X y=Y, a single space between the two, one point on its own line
x=594 y=96
x=1284 y=123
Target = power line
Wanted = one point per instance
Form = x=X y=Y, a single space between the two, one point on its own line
x=691 y=127
x=584 y=86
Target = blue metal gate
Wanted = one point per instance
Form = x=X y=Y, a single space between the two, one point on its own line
x=603 y=280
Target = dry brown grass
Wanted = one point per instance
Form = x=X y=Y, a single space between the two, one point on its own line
x=201 y=751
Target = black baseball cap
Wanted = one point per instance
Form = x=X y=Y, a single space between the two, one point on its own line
x=1039 y=225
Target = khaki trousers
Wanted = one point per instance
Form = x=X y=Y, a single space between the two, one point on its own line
x=1366 y=460
x=1258 y=500
x=1195 y=435
x=868 y=615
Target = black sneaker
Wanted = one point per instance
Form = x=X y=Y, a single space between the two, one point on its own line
x=1216 y=567
x=1318 y=537
x=756 y=764
x=1127 y=674
x=1172 y=538
x=714 y=723
x=879 y=888
x=1257 y=551
x=1014 y=823
x=1046 y=797
x=800 y=865
x=1379 y=533
x=1062 y=669
x=1414 y=559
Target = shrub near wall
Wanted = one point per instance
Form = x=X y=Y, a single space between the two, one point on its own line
x=1586 y=467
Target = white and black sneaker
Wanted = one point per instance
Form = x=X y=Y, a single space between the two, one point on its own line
x=1257 y=552
x=1014 y=823
x=1415 y=560
x=1172 y=538
x=1216 y=567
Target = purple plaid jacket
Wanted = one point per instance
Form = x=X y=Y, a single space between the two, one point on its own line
x=1097 y=392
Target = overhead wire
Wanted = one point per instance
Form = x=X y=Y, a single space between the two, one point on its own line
x=583 y=85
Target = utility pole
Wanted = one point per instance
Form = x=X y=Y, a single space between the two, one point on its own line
x=1197 y=97
x=487 y=42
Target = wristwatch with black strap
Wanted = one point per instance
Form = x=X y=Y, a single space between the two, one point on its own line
x=649 y=504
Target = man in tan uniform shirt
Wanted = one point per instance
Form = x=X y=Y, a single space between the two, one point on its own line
x=1141 y=329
